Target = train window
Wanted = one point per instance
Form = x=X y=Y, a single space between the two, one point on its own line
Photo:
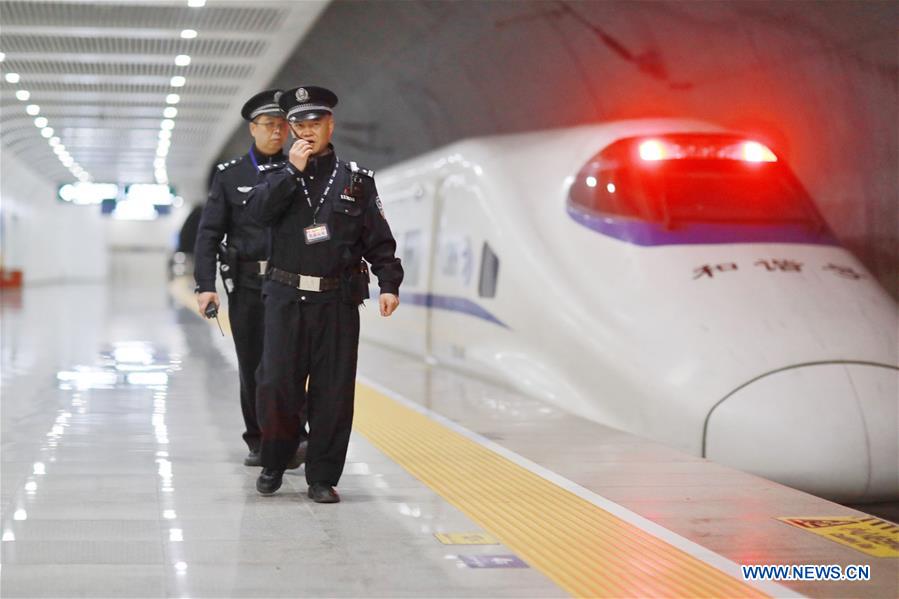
x=489 y=272
x=692 y=178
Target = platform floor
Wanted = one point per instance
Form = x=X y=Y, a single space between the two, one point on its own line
x=122 y=477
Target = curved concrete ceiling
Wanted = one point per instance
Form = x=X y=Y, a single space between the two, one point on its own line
x=818 y=81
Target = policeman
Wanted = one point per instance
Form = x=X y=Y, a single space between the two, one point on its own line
x=244 y=253
x=325 y=215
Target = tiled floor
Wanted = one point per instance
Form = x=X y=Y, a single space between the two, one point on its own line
x=122 y=474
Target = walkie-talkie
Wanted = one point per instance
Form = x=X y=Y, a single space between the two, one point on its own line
x=212 y=311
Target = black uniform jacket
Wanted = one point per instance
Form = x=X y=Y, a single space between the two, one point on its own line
x=356 y=222
x=225 y=213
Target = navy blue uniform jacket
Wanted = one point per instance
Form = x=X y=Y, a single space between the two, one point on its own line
x=354 y=215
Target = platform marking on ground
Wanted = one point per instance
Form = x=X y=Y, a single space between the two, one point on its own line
x=587 y=544
x=492 y=561
x=872 y=536
x=466 y=538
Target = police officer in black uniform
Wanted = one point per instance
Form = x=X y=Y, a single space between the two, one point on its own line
x=325 y=215
x=243 y=253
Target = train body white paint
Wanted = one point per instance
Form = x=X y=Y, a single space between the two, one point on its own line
x=776 y=356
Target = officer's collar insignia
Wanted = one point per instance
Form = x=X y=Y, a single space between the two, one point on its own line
x=302 y=95
x=244 y=189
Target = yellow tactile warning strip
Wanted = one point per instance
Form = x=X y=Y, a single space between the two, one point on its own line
x=584 y=549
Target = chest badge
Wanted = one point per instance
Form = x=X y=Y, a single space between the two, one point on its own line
x=316 y=233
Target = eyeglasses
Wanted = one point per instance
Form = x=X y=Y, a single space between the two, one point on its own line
x=271 y=125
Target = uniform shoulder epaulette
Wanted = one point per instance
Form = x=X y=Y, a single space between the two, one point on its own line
x=264 y=168
x=355 y=168
x=229 y=163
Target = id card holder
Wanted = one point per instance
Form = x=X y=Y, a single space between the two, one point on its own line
x=316 y=233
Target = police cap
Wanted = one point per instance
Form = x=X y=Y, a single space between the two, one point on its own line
x=307 y=103
x=262 y=103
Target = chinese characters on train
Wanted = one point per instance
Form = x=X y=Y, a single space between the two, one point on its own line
x=774 y=265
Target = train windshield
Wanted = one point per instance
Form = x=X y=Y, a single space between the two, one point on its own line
x=692 y=178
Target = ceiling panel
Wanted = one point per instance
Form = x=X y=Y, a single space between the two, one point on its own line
x=101 y=73
x=213 y=17
x=171 y=45
x=106 y=68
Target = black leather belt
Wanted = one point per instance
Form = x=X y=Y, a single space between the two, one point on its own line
x=255 y=267
x=304 y=282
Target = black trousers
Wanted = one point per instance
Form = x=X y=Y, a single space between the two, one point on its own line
x=245 y=313
x=309 y=359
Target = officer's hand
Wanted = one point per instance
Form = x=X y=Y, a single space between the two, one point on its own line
x=203 y=300
x=388 y=302
x=299 y=154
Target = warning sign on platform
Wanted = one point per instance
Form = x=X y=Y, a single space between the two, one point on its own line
x=466 y=538
x=869 y=535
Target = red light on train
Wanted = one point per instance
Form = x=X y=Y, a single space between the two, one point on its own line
x=653 y=149
x=704 y=148
x=753 y=151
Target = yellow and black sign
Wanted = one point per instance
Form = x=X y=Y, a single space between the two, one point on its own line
x=869 y=535
x=465 y=538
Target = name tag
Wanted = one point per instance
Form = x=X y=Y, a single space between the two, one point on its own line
x=316 y=233
x=343 y=196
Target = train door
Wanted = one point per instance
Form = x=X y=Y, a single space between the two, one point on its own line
x=410 y=211
x=456 y=325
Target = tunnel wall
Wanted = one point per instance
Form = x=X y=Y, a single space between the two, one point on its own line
x=818 y=81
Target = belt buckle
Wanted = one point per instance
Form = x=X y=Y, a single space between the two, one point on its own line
x=309 y=283
x=263 y=266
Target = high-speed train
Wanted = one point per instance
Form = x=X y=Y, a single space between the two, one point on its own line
x=664 y=277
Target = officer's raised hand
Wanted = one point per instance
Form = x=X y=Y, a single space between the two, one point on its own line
x=205 y=297
x=299 y=154
x=389 y=303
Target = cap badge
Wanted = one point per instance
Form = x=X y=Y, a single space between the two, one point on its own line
x=302 y=95
x=278 y=95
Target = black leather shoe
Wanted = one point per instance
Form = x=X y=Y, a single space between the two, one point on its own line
x=323 y=493
x=269 y=481
x=299 y=457
x=253 y=459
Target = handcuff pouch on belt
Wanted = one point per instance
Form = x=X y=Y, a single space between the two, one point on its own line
x=228 y=266
x=355 y=287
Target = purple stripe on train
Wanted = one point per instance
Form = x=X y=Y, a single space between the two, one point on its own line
x=644 y=233
x=446 y=302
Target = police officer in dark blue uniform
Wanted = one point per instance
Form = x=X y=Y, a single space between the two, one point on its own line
x=325 y=215
x=243 y=253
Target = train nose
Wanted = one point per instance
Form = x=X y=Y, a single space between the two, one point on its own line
x=829 y=429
